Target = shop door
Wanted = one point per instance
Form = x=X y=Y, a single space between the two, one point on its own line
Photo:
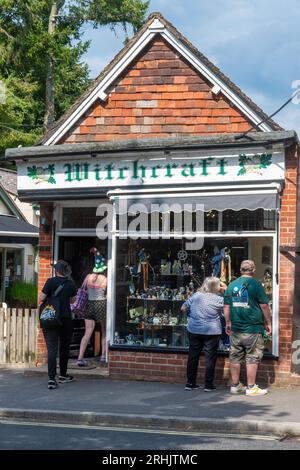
x=76 y=251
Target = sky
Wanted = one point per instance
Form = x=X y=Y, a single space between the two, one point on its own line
x=256 y=43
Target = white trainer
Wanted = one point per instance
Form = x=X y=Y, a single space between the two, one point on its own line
x=256 y=391
x=236 y=390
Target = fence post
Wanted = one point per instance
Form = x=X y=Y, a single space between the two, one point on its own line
x=2 y=337
x=19 y=336
x=32 y=336
x=7 y=335
x=13 y=336
x=25 y=339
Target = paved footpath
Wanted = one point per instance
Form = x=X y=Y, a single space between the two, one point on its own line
x=108 y=401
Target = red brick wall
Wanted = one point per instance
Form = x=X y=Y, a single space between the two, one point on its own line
x=45 y=271
x=287 y=260
x=172 y=368
x=160 y=96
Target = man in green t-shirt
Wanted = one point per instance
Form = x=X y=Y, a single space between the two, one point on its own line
x=247 y=314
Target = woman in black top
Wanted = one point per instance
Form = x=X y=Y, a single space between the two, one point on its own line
x=62 y=334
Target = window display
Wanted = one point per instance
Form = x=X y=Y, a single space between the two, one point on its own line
x=155 y=277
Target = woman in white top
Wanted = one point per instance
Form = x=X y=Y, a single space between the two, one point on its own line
x=96 y=283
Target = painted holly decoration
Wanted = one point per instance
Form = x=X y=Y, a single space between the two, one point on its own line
x=42 y=174
x=254 y=164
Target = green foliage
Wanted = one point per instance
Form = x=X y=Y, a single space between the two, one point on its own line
x=22 y=294
x=19 y=108
x=26 y=47
x=113 y=12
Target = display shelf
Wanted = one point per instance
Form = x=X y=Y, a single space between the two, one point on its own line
x=149 y=299
x=150 y=325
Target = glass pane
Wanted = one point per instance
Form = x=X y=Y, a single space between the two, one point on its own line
x=248 y=221
x=155 y=277
x=80 y=217
x=212 y=221
x=13 y=267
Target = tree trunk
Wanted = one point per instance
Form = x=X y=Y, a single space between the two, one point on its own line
x=50 y=80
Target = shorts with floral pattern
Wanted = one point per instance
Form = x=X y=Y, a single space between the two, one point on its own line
x=246 y=347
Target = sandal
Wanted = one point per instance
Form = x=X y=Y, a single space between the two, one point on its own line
x=82 y=363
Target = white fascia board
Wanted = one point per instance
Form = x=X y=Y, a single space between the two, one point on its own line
x=196 y=62
x=153 y=29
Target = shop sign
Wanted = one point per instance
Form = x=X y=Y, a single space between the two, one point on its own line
x=143 y=172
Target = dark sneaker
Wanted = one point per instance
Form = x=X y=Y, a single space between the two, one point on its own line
x=52 y=384
x=192 y=387
x=210 y=388
x=66 y=379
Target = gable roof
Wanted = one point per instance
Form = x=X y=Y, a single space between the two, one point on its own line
x=8 y=201
x=156 y=25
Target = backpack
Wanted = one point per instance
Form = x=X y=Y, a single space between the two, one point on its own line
x=49 y=311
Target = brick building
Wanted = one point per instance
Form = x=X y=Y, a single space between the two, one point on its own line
x=162 y=124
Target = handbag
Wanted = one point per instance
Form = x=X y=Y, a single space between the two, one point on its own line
x=49 y=311
x=78 y=308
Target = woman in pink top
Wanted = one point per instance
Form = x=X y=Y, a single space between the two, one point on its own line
x=96 y=283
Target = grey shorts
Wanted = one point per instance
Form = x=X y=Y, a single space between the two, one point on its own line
x=246 y=347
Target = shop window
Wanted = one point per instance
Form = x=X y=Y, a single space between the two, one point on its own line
x=213 y=221
x=248 y=221
x=155 y=277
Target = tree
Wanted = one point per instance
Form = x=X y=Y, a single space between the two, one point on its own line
x=41 y=58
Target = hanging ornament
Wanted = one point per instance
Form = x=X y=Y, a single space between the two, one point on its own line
x=182 y=255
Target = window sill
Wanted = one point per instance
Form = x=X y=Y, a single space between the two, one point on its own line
x=170 y=350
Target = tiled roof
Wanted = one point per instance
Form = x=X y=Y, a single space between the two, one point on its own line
x=128 y=46
x=8 y=180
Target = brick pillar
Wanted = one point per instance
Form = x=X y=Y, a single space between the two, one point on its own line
x=287 y=260
x=45 y=269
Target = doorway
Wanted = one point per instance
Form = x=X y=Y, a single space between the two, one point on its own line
x=76 y=251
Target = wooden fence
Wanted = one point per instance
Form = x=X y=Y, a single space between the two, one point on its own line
x=18 y=332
